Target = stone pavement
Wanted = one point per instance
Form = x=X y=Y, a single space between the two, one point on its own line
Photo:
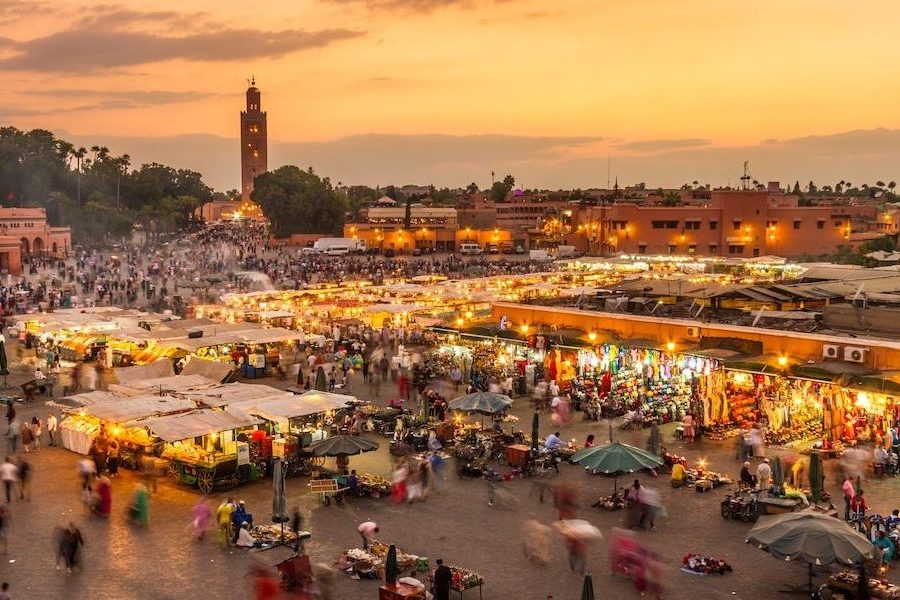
x=455 y=523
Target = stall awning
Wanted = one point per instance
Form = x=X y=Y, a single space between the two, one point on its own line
x=174 y=428
x=877 y=384
x=176 y=383
x=88 y=399
x=211 y=369
x=234 y=393
x=139 y=407
x=136 y=374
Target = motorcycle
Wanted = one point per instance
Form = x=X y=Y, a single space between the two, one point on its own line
x=742 y=506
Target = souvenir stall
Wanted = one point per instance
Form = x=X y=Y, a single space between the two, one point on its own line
x=861 y=412
x=369 y=564
x=206 y=448
x=790 y=408
x=660 y=385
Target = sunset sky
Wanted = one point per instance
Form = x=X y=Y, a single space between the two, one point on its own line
x=445 y=91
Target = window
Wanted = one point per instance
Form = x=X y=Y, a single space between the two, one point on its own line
x=692 y=249
x=756 y=252
x=672 y=248
x=713 y=248
x=770 y=224
x=695 y=225
x=664 y=224
x=736 y=225
x=796 y=224
x=642 y=248
x=620 y=225
x=840 y=224
x=735 y=249
x=820 y=224
x=713 y=225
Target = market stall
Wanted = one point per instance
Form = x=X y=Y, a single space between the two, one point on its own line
x=206 y=447
x=78 y=430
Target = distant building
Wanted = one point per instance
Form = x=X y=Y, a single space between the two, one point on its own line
x=733 y=224
x=254 y=141
x=24 y=232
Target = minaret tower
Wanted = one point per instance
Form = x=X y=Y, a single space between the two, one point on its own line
x=254 y=146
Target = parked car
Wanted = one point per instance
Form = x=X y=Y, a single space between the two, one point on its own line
x=520 y=249
x=492 y=249
x=389 y=253
x=417 y=252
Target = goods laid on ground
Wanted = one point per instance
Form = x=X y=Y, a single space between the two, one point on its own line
x=374 y=486
x=848 y=581
x=465 y=579
x=698 y=563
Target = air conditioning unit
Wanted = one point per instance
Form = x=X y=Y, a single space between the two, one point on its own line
x=693 y=333
x=855 y=354
x=831 y=351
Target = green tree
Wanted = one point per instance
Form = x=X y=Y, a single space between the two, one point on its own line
x=297 y=201
x=472 y=188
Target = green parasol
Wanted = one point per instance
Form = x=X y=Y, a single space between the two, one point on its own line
x=616 y=458
x=485 y=403
x=816 y=477
x=535 y=421
x=810 y=537
x=390 y=565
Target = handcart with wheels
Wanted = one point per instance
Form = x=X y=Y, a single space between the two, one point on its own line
x=328 y=488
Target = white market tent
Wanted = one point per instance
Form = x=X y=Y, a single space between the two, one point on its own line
x=226 y=394
x=292 y=406
x=174 y=428
x=139 y=407
x=176 y=383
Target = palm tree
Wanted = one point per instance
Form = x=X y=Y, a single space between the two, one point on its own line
x=892 y=185
x=79 y=158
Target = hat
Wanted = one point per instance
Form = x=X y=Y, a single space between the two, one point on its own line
x=765 y=460
x=746 y=464
x=242 y=502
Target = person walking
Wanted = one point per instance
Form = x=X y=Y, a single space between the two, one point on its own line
x=296 y=527
x=764 y=474
x=849 y=495
x=223 y=519
x=367 y=531
x=27 y=436
x=70 y=542
x=52 y=425
x=12 y=433
x=9 y=474
x=200 y=522
x=4 y=525
x=112 y=458
x=443 y=577
x=36 y=431
x=24 y=472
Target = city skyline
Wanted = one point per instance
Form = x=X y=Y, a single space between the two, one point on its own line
x=444 y=92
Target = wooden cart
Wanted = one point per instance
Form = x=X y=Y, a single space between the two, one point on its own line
x=208 y=475
x=329 y=489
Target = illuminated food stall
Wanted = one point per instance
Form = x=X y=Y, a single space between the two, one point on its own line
x=78 y=430
x=207 y=448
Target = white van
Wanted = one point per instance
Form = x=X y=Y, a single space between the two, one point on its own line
x=337 y=250
x=339 y=246
x=470 y=248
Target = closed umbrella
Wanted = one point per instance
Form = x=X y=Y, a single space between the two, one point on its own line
x=390 y=565
x=615 y=459
x=321 y=383
x=279 y=503
x=777 y=473
x=4 y=364
x=587 y=590
x=810 y=537
x=816 y=477
x=535 y=421
x=653 y=442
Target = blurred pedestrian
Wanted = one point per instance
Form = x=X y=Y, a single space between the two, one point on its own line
x=112 y=458
x=223 y=520
x=69 y=546
x=4 y=526
x=443 y=578
x=764 y=474
x=27 y=436
x=536 y=541
x=139 y=510
x=4 y=592
x=24 y=472
x=297 y=527
x=200 y=522
x=9 y=473
x=86 y=471
x=12 y=434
